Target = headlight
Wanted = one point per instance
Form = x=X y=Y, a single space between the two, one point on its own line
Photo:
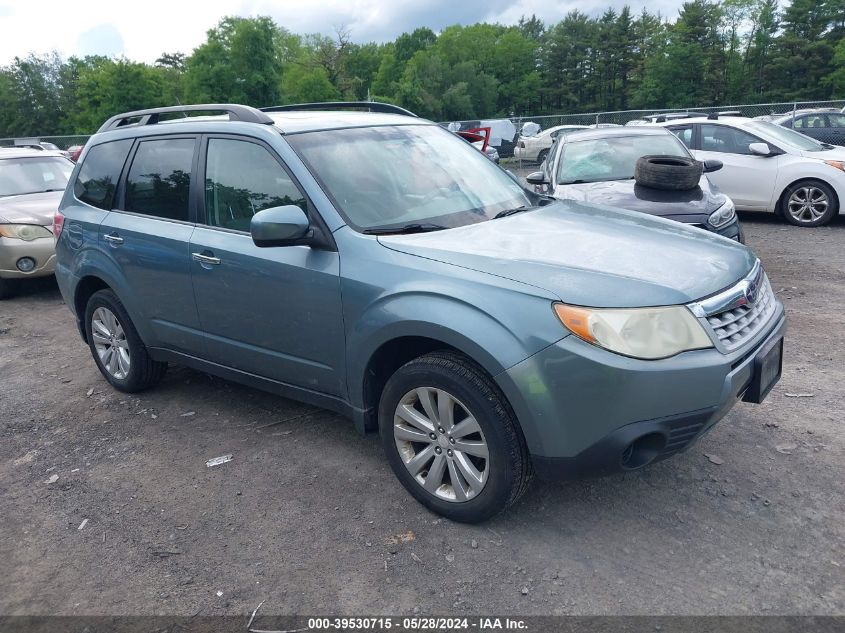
x=27 y=232
x=838 y=164
x=647 y=333
x=723 y=215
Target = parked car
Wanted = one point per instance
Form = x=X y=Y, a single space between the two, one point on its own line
x=479 y=138
x=374 y=264
x=74 y=151
x=768 y=167
x=32 y=182
x=826 y=125
x=536 y=148
x=599 y=166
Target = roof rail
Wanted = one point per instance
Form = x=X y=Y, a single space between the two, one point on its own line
x=371 y=106
x=713 y=116
x=151 y=116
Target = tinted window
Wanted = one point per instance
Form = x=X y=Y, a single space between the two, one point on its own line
x=810 y=121
x=159 y=179
x=836 y=120
x=241 y=179
x=20 y=176
x=721 y=138
x=99 y=172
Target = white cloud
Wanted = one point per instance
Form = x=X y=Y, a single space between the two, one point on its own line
x=157 y=26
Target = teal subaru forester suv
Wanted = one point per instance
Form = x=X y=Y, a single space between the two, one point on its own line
x=373 y=263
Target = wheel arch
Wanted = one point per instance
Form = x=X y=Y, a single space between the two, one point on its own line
x=781 y=197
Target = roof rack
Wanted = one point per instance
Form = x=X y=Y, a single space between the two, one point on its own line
x=713 y=116
x=151 y=116
x=371 y=106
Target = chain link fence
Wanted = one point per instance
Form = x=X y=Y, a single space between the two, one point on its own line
x=827 y=126
x=62 y=142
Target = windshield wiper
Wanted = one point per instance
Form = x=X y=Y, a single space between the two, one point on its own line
x=408 y=228
x=507 y=212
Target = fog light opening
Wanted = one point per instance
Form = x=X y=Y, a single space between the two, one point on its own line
x=25 y=264
x=642 y=451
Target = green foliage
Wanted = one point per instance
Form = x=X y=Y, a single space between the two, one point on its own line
x=714 y=52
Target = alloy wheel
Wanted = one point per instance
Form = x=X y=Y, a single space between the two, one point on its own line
x=807 y=204
x=441 y=444
x=110 y=343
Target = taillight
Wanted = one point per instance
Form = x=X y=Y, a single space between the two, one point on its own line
x=58 y=223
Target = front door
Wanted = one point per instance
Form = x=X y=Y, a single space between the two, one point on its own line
x=747 y=178
x=273 y=312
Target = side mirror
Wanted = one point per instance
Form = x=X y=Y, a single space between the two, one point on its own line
x=712 y=165
x=279 y=226
x=537 y=178
x=760 y=149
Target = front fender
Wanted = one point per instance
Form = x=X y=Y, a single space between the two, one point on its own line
x=494 y=341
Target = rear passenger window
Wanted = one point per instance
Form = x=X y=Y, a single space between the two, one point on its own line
x=160 y=177
x=99 y=173
x=241 y=179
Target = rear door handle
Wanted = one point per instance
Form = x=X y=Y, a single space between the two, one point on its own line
x=202 y=258
x=113 y=238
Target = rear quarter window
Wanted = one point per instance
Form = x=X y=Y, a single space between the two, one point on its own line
x=98 y=175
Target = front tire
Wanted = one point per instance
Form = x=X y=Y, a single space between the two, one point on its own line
x=117 y=349
x=452 y=439
x=809 y=203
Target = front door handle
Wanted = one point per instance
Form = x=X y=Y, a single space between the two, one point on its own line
x=204 y=258
x=113 y=238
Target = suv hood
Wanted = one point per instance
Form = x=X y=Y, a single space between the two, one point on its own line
x=627 y=194
x=31 y=208
x=591 y=255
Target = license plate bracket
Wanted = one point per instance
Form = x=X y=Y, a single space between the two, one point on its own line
x=767 y=367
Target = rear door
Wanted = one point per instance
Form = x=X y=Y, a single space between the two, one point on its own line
x=748 y=179
x=273 y=312
x=835 y=129
x=147 y=236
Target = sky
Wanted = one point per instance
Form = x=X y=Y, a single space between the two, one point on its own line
x=143 y=31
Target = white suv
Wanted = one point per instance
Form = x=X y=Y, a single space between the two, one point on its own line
x=768 y=167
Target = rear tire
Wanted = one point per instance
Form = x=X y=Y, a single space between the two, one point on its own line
x=432 y=453
x=542 y=156
x=117 y=349
x=809 y=203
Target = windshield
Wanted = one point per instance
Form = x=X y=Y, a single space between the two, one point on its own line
x=612 y=158
x=20 y=176
x=393 y=176
x=793 y=139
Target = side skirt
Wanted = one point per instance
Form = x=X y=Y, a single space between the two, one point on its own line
x=308 y=396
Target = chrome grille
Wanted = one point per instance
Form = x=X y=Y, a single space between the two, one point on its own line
x=736 y=326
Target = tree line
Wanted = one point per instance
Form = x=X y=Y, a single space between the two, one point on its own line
x=714 y=52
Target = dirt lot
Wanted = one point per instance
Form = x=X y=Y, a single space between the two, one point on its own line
x=308 y=518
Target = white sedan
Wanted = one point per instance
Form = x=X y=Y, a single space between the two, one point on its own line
x=768 y=167
x=536 y=148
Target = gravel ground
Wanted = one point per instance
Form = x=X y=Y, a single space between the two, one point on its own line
x=107 y=506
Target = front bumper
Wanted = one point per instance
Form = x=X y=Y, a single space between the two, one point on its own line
x=42 y=250
x=581 y=407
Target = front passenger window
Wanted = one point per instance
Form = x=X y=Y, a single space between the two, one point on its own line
x=241 y=179
x=728 y=140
